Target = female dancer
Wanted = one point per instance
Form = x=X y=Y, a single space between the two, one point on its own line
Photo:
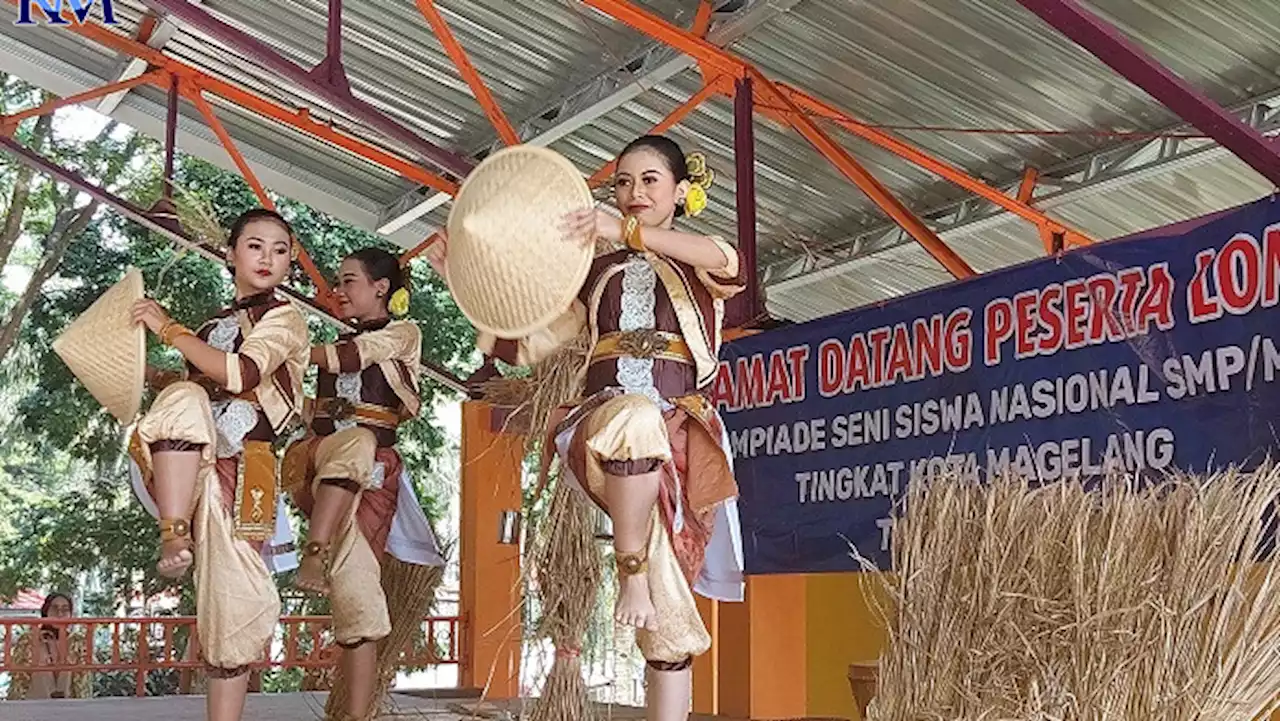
x=205 y=452
x=646 y=444
x=346 y=477
x=51 y=646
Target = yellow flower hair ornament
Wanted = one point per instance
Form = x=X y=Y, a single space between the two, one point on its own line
x=399 y=303
x=695 y=200
x=700 y=178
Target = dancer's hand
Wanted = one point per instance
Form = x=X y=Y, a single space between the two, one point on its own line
x=587 y=224
x=161 y=378
x=437 y=252
x=151 y=314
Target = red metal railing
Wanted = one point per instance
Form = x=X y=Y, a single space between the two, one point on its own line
x=160 y=643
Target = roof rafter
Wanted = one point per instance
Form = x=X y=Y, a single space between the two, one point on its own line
x=598 y=96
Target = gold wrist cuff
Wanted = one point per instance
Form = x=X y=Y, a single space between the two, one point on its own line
x=631 y=234
x=173 y=330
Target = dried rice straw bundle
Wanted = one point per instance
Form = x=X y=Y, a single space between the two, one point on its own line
x=410 y=589
x=197 y=216
x=1014 y=600
x=555 y=381
x=568 y=576
x=507 y=392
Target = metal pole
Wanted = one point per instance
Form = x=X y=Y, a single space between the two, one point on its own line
x=170 y=137
x=750 y=307
x=339 y=97
x=1109 y=45
x=333 y=42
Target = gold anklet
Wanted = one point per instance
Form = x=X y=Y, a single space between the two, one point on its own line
x=630 y=564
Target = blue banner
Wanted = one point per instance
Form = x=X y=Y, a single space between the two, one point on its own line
x=1144 y=355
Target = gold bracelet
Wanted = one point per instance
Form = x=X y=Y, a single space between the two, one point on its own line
x=171 y=331
x=631 y=234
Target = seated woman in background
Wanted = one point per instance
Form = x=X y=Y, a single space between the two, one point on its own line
x=51 y=646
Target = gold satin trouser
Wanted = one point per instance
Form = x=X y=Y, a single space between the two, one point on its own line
x=627 y=428
x=237 y=605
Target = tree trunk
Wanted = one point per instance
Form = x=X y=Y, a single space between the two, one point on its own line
x=12 y=229
x=59 y=240
x=68 y=224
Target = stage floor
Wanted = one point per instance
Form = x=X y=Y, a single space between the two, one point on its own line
x=279 y=707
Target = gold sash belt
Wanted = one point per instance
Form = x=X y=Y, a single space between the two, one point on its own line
x=656 y=344
x=370 y=414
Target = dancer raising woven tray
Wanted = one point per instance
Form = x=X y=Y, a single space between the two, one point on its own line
x=643 y=441
x=205 y=452
x=347 y=477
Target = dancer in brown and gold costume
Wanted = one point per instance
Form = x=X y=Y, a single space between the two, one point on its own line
x=205 y=456
x=643 y=441
x=348 y=478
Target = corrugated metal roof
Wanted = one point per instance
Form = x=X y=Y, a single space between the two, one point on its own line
x=1119 y=209
x=953 y=63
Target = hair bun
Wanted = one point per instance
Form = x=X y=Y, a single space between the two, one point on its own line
x=699 y=174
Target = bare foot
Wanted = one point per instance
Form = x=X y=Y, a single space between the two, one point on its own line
x=311 y=575
x=175 y=558
x=634 y=607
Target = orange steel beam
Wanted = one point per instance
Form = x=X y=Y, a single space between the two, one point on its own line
x=1027 y=188
x=937 y=167
x=11 y=121
x=147 y=27
x=460 y=60
x=869 y=185
x=702 y=19
x=416 y=250
x=701 y=24
x=673 y=119
x=1026 y=194
x=196 y=97
x=304 y=258
x=710 y=55
x=683 y=40
x=298 y=119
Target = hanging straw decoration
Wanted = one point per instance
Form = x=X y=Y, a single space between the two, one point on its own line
x=567 y=570
x=554 y=381
x=198 y=217
x=1065 y=602
x=410 y=589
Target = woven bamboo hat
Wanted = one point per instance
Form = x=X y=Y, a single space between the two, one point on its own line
x=511 y=270
x=107 y=351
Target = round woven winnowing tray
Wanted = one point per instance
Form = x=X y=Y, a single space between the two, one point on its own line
x=107 y=351
x=510 y=267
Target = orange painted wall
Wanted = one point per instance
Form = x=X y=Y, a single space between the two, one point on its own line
x=785 y=652
x=490 y=571
x=706 y=673
x=842 y=628
x=762 y=650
